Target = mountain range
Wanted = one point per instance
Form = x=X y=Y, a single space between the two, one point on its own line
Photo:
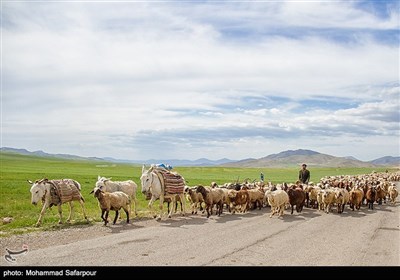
x=312 y=158
x=287 y=158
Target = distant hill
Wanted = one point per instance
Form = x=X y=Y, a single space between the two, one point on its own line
x=292 y=158
x=177 y=162
x=287 y=158
x=392 y=161
x=173 y=162
x=44 y=154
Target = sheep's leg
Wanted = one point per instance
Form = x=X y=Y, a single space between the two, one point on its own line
x=272 y=212
x=116 y=217
x=232 y=208
x=60 y=213
x=129 y=209
x=39 y=221
x=71 y=209
x=194 y=208
x=106 y=217
x=282 y=211
x=221 y=207
x=102 y=215
x=83 y=209
x=204 y=208
x=127 y=215
x=134 y=205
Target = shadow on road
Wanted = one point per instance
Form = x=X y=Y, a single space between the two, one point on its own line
x=201 y=218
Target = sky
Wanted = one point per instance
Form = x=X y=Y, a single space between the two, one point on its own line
x=145 y=80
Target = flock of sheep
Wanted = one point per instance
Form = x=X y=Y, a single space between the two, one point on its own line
x=339 y=191
x=331 y=191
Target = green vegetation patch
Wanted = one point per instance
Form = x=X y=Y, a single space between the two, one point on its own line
x=15 y=197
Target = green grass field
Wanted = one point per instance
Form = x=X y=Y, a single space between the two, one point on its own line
x=15 y=200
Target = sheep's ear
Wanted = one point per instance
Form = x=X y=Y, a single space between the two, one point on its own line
x=98 y=177
x=143 y=169
x=91 y=192
x=109 y=178
x=29 y=181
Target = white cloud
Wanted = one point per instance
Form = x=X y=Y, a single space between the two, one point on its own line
x=95 y=75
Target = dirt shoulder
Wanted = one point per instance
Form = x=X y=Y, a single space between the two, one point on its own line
x=72 y=233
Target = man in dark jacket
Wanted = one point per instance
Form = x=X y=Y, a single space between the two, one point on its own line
x=304 y=174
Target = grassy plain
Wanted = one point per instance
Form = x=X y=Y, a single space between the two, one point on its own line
x=16 y=169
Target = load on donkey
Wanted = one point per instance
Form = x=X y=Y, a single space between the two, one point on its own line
x=160 y=183
x=56 y=192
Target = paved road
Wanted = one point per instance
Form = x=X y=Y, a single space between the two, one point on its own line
x=359 y=238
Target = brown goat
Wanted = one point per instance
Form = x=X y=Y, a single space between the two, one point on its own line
x=112 y=201
x=211 y=197
x=370 y=196
x=296 y=197
x=356 y=197
x=380 y=195
x=241 y=198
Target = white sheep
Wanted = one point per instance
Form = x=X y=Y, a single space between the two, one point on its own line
x=393 y=193
x=312 y=195
x=195 y=199
x=129 y=187
x=256 y=197
x=112 y=201
x=320 y=199
x=277 y=199
x=342 y=197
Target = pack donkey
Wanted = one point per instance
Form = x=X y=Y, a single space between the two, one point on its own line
x=56 y=192
x=159 y=183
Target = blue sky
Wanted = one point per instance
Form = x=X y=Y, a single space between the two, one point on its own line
x=186 y=80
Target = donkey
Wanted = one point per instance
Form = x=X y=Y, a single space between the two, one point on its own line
x=56 y=192
x=152 y=186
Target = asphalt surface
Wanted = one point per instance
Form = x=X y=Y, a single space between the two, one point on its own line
x=311 y=238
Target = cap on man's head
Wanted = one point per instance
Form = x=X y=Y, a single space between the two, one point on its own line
x=304 y=164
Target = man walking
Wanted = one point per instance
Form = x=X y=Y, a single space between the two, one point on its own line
x=304 y=174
